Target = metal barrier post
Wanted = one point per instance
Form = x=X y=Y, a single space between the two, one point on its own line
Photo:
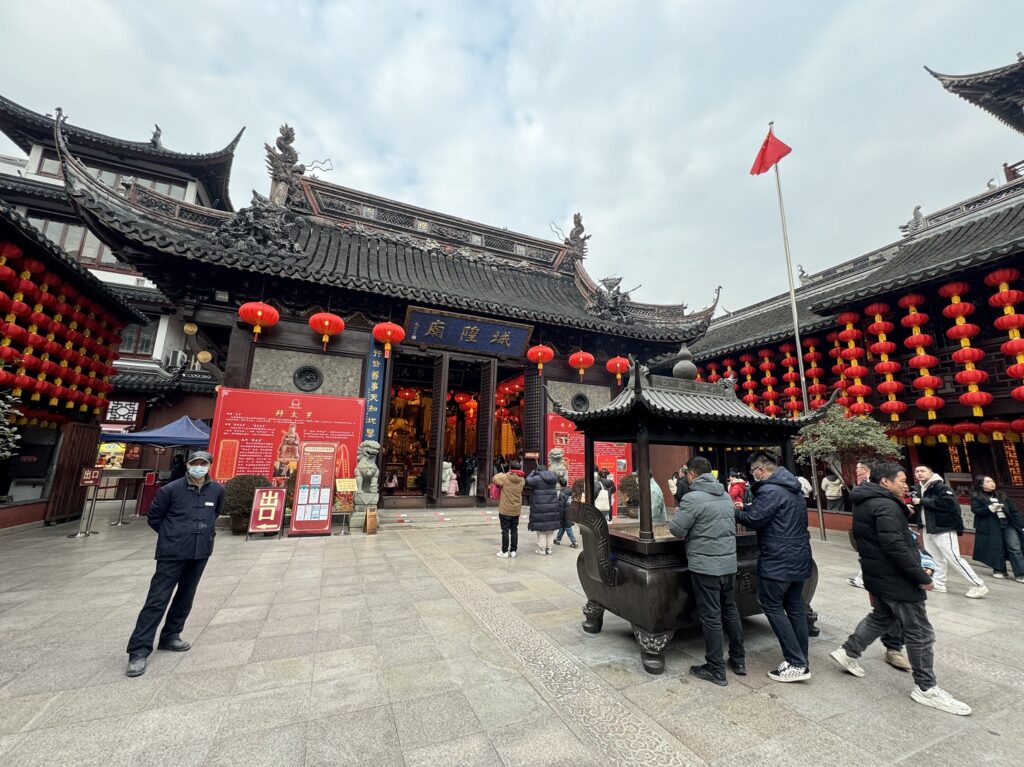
x=86 y=522
x=121 y=521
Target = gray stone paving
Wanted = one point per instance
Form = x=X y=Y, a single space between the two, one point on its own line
x=420 y=647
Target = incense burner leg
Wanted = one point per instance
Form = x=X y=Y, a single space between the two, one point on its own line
x=652 y=647
x=593 y=617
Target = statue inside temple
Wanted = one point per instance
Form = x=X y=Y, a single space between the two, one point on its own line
x=557 y=464
x=287 y=454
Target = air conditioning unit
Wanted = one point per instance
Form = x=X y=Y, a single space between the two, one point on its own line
x=178 y=359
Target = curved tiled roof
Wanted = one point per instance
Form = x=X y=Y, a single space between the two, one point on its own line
x=62 y=261
x=1000 y=92
x=25 y=128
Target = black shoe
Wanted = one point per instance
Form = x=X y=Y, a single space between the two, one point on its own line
x=573 y=546
x=558 y=543
x=705 y=673
x=177 y=644
x=739 y=668
x=136 y=665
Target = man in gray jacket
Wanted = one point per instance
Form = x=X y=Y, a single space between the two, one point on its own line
x=706 y=521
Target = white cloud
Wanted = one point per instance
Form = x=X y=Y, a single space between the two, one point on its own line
x=644 y=116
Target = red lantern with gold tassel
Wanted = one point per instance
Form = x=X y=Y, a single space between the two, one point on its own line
x=540 y=354
x=1010 y=322
x=259 y=315
x=617 y=366
x=713 y=376
x=767 y=366
x=730 y=363
x=388 y=333
x=852 y=354
x=327 y=325
x=922 y=361
x=792 y=379
x=748 y=371
x=580 y=361
x=967 y=355
x=885 y=367
x=814 y=372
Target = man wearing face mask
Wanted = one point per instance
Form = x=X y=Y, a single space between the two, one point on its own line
x=183 y=513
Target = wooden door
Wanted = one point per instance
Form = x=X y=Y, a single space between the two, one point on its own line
x=77 y=450
x=485 y=427
x=435 y=451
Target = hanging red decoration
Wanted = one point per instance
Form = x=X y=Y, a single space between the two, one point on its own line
x=1010 y=322
x=255 y=313
x=407 y=394
x=713 y=376
x=730 y=363
x=852 y=354
x=968 y=430
x=996 y=429
x=967 y=355
x=916 y=432
x=814 y=372
x=922 y=361
x=767 y=366
x=792 y=378
x=540 y=354
x=885 y=367
x=839 y=369
x=617 y=366
x=940 y=430
x=388 y=333
x=327 y=325
x=580 y=361
x=748 y=371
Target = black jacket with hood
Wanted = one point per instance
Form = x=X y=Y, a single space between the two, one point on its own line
x=889 y=558
x=779 y=515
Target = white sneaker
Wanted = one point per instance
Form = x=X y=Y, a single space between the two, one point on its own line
x=787 y=673
x=977 y=592
x=938 y=698
x=940 y=589
x=512 y=554
x=539 y=551
x=503 y=554
x=547 y=551
x=844 y=660
x=1000 y=576
x=1019 y=579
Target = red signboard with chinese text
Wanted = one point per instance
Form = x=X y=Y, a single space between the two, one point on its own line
x=267 y=510
x=314 y=490
x=262 y=432
x=617 y=457
x=90 y=477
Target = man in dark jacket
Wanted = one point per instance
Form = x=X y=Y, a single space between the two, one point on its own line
x=938 y=511
x=183 y=514
x=706 y=521
x=779 y=515
x=545 y=508
x=893 y=575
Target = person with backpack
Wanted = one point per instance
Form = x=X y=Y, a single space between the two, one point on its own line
x=604 y=491
x=510 y=506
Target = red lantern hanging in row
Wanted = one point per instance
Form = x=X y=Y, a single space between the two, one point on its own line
x=967 y=355
x=259 y=315
x=853 y=355
x=967 y=430
x=327 y=325
x=767 y=366
x=748 y=371
x=713 y=376
x=839 y=369
x=1010 y=322
x=540 y=354
x=814 y=372
x=730 y=363
x=922 y=361
x=885 y=367
x=617 y=366
x=996 y=428
x=388 y=333
x=792 y=379
x=580 y=361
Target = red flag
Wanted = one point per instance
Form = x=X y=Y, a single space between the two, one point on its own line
x=772 y=150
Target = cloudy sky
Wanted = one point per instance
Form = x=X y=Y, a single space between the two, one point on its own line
x=645 y=116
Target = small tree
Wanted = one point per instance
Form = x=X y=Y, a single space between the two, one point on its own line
x=9 y=436
x=840 y=441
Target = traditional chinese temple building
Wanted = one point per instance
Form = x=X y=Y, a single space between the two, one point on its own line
x=464 y=303
x=922 y=333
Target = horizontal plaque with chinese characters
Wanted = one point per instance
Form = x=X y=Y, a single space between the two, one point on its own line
x=464 y=333
x=267 y=510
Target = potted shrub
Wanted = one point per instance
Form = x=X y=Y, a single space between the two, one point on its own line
x=238 y=495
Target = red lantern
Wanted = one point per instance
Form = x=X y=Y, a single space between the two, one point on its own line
x=853 y=353
x=996 y=428
x=617 y=366
x=967 y=430
x=1010 y=322
x=922 y=361
x=940 y=430
x=713 y=376
x=916 y=432
x=388 y=333
x=890 y=387
x=748 y=370
x=327 y=325
x=255 y=313
x=581 y=361
x=539 y=355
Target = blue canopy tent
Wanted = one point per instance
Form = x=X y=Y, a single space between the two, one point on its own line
x=185 y=431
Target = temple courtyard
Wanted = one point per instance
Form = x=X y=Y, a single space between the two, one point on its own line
x=420 y=647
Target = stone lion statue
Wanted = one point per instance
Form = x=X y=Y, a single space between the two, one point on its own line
x=367 y=473
x=556 y=463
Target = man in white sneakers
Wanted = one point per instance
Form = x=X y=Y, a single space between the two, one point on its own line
x=897 y=583
x=938 y=512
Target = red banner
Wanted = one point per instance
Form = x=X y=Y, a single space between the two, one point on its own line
x=267 y=510
x=314 y=490
x=617 y=457
x=262 y=432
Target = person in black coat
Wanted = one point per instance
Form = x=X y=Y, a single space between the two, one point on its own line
x=893 y=575
x=545 y=509
x=779 y=515
x=998 y=529
x=183 y=514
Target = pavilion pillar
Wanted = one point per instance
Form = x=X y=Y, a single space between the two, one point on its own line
x=588 y=468
x=788 y=459
x=643 y=472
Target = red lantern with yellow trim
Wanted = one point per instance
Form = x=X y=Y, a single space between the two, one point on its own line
x=327 y=325
x=388 y=333
x=1010 y=321
x=255 y=313
x=580 y=361
x=617 y=366
x=540 y=354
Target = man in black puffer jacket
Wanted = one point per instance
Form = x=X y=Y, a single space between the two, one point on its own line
x=896 y=581
x=779 y=515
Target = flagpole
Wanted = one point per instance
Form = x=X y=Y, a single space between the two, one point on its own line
x=796 y=335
